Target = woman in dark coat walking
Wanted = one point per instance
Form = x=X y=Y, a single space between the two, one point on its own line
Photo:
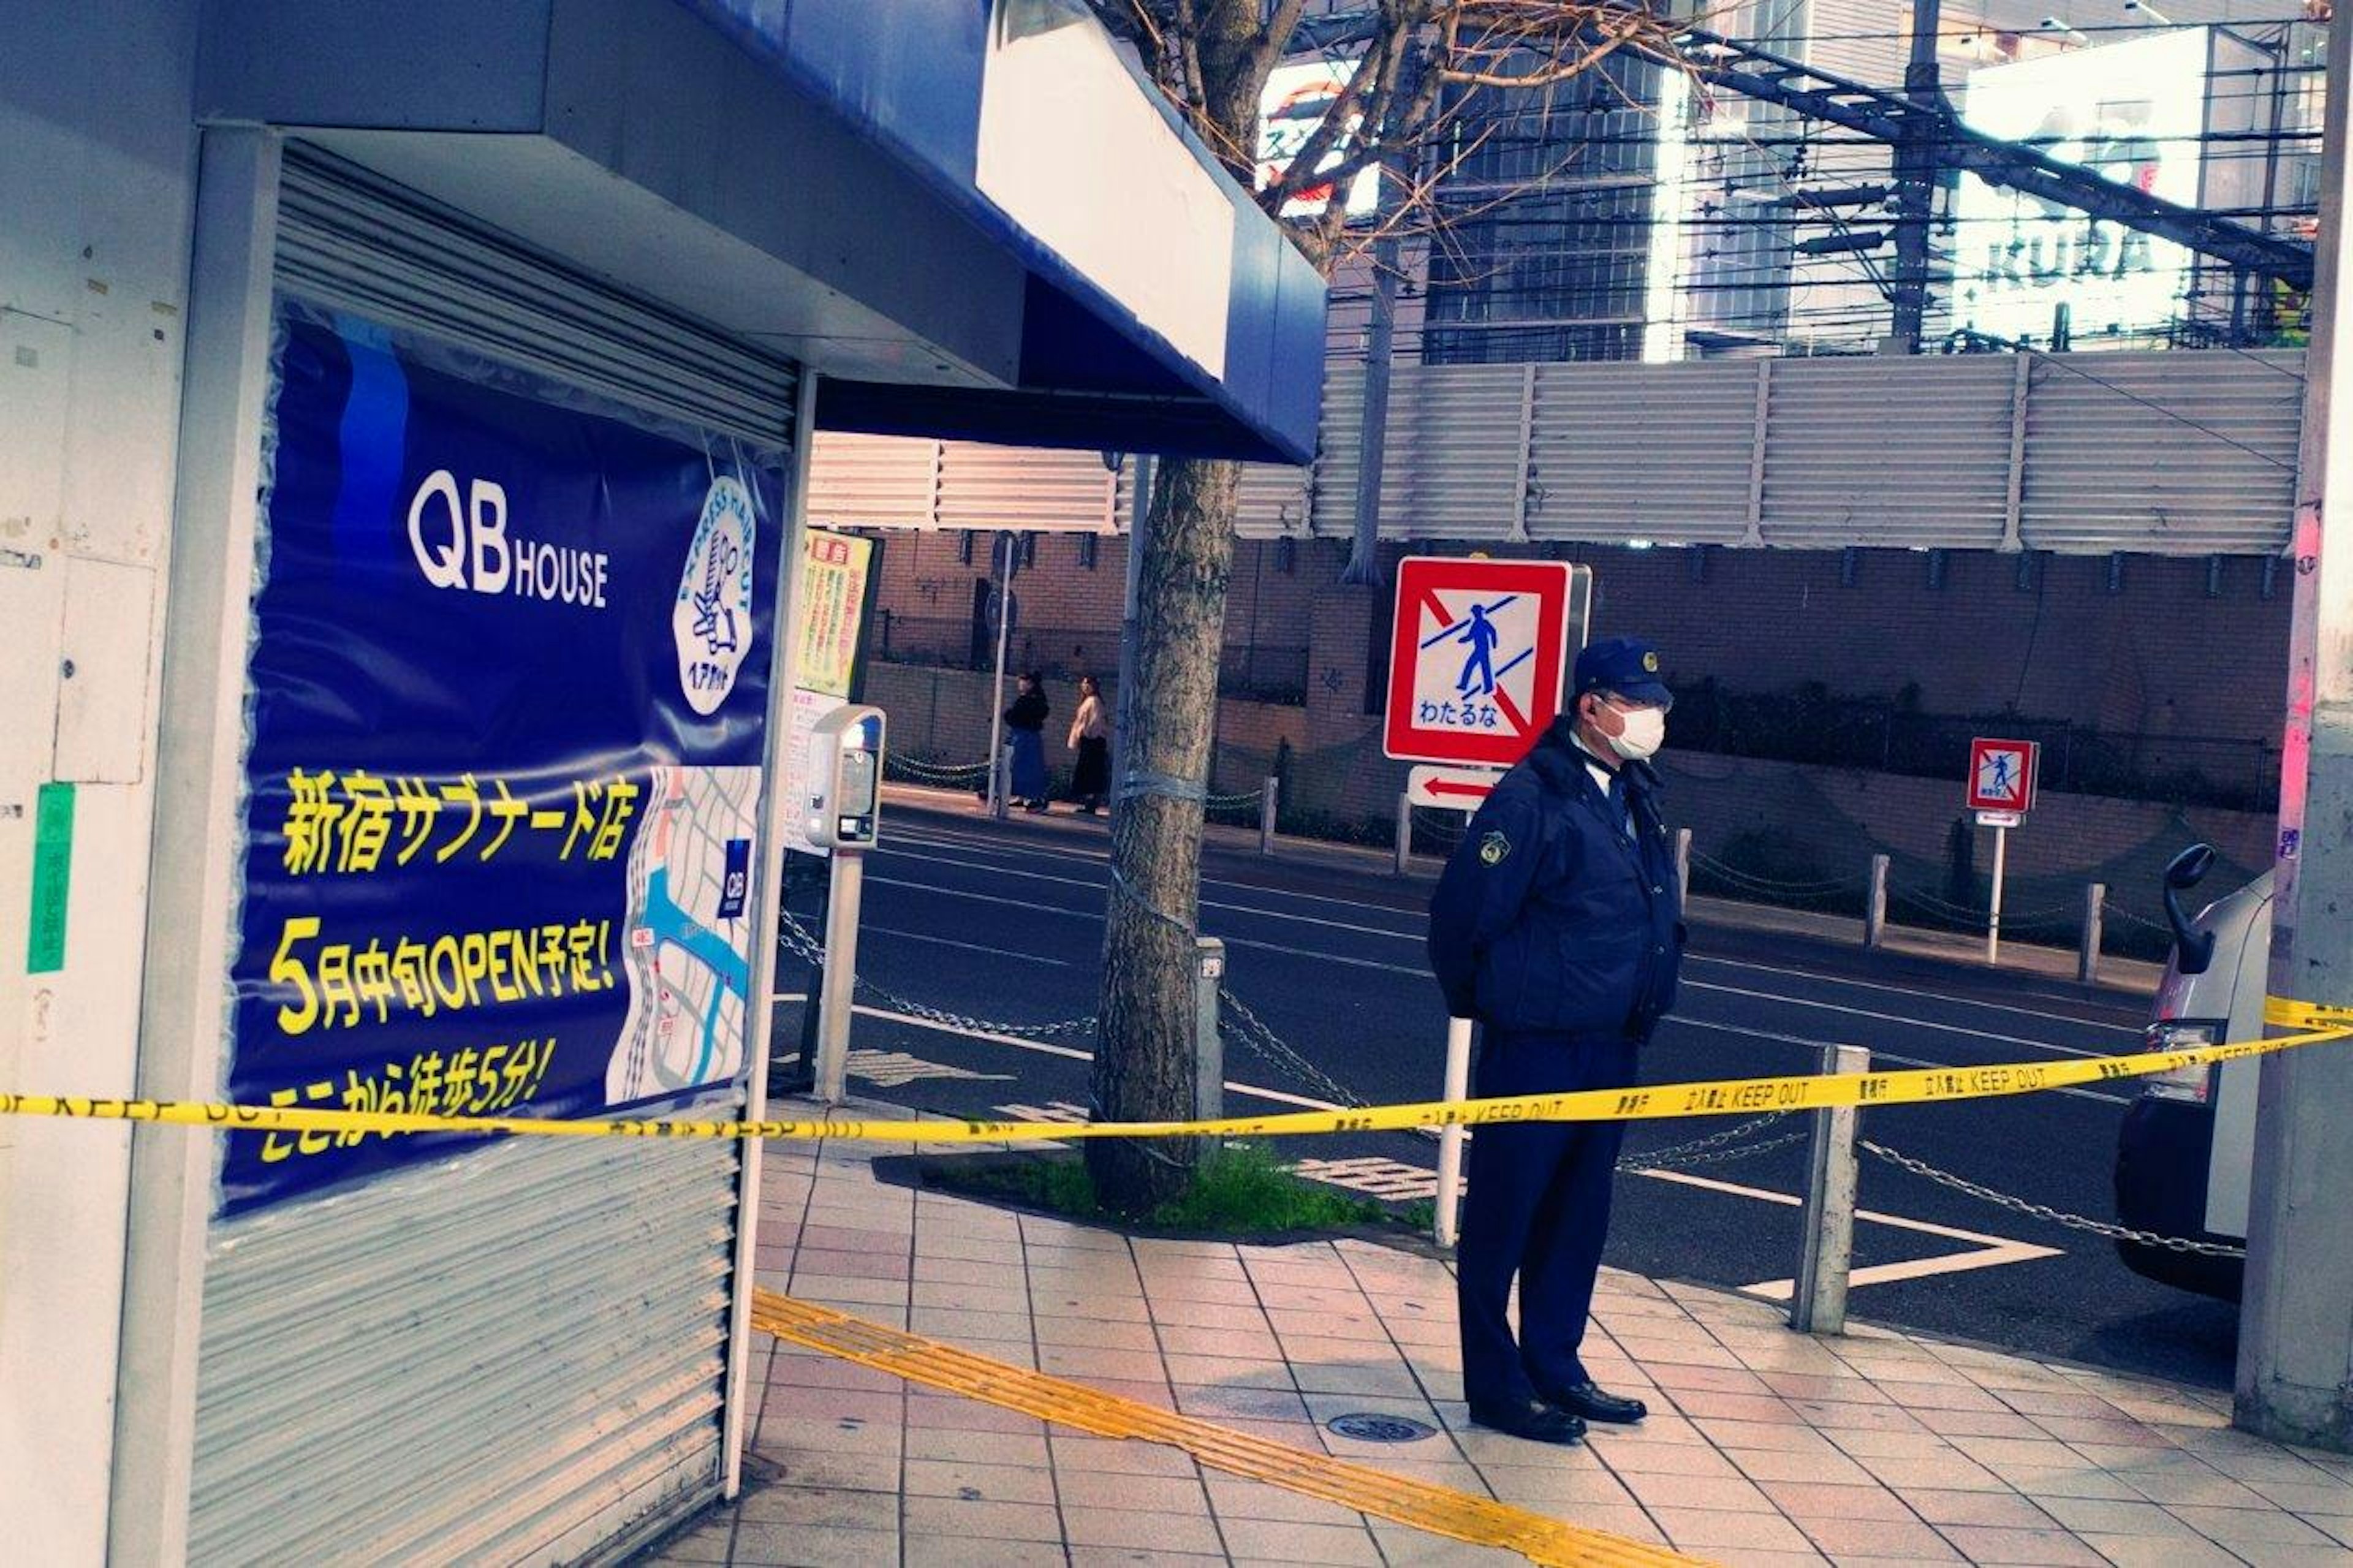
x=1091 y=740
x=1023 y=723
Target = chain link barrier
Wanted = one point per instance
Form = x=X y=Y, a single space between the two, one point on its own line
x=2058 y=917
x=1237 y=1021
x=799 y=940
x=2110 y=906
x=1441 y=824
x=1716 y=1148
x=2076 y=1222
x=1739 y=878
x=908 y=769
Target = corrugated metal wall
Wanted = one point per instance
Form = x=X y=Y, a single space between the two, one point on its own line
x=515 y=1353
x=508 y=1357
x=2170 y=454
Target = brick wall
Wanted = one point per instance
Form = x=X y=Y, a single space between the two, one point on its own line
x=1069 y=613
x=2159 y=655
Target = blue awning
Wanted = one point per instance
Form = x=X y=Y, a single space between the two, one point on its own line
x=974 y=220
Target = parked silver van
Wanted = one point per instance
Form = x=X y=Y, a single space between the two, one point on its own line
x=2186 y=1157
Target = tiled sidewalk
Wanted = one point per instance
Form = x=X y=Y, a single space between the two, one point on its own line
x=1764 y=1447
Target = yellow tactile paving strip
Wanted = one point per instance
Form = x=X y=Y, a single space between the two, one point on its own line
x=1483 y=1521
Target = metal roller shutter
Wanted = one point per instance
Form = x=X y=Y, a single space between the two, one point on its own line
x=1023 y=488
x=1888 y=450
x=2180 y=454
x=1663 y=453
x=517 y=1353
x=874 y=482
x=1272 y=504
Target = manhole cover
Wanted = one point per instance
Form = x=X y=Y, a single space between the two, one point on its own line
x=1367 y=1427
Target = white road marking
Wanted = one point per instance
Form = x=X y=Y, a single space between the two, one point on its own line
x=1059 y=1110
x=1096 y=859
x=1989 y=1251
x=1773 y=996
x=1891 y=1018
x=1373 y=1175
x=2133 y=1029
x=1070 y=1053
x=896 y=1070
x=1686 y=1021
x=867 y=928
x=1096 y=887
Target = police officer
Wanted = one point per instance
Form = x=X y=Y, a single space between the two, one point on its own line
x=1557 y=926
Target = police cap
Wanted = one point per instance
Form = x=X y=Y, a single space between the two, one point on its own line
x=1626 y=665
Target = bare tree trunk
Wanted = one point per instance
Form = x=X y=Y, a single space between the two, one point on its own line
x=1143 y=1068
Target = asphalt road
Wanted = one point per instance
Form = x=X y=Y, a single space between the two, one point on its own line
x=1002 y=923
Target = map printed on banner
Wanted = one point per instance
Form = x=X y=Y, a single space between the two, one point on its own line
x=509 y=699
x=1478 y=653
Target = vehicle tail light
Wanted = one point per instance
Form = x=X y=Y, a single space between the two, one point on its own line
x=2189 y=1083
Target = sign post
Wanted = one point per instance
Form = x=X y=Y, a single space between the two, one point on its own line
x=998 y=783
x=2001 y=792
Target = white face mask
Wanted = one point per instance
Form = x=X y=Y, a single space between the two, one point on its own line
x=1645 y=732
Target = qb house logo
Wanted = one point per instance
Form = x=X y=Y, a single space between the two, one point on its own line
x=464 y=543
x=713 y=618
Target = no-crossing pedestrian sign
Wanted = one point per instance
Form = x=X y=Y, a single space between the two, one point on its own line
x=2001 y=774
x=1478 y=656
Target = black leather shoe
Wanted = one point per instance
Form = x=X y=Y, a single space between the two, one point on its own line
x=1588 y=1401
x=1535 y=1421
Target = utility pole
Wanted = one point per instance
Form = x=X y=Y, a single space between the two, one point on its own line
x=1915 y=183
x=1380 y=354
x=1373 y=434
x=1122 y=724
x=2295 y=1333
x=998 y=785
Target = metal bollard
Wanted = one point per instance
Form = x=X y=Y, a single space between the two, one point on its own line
x=1209 y=1045
x=1404 y=834
x=1268 y=802
x=1874 y=907
x=838 y=985
x=1449 y=1139
x=1683 y=867
x=2087 y=961
x=1818 y=1296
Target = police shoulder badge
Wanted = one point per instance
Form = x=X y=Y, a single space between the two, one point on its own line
x=1492 y=849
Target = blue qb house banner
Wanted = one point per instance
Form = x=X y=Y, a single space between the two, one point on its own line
x=509 y=687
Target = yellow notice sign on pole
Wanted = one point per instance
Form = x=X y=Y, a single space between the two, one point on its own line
x=834 y=569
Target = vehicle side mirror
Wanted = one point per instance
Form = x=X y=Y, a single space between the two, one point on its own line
x=2193 y=950
x=2189 y=868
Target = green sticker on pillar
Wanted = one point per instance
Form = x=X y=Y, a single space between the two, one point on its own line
x=53 y=825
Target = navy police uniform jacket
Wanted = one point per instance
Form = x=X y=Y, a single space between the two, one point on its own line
x=1552 y=916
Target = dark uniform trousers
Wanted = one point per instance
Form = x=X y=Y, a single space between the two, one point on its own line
x=1538 y=1202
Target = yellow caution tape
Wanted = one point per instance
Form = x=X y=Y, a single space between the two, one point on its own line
x=1724 y=1096
x=1425 y=1505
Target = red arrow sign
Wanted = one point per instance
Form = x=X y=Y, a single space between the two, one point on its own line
x=1450 y=789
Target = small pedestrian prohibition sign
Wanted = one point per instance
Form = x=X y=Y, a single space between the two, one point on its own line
x=1477 y=658
x=2001 y=775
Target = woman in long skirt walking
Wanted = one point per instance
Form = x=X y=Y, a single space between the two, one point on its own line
x=1091 y=740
